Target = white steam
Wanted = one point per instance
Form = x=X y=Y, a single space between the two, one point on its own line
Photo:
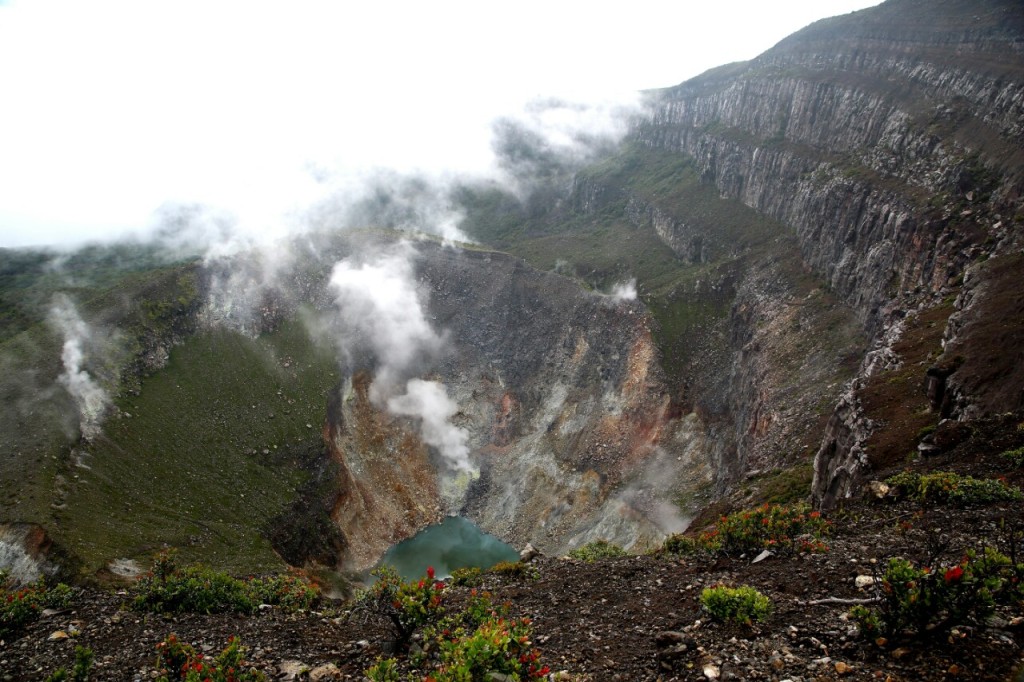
x=624 y=291
x=381 y=309
x=382 y=314
x=90 y=398
x=429 y=401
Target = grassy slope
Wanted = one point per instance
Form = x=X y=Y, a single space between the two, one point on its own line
x=188 y=467
x=211 y=453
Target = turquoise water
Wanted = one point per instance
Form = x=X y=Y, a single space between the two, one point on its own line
x=454 y=543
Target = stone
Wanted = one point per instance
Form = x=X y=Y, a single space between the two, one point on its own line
x=291 y=670
x=878 y=490
x=712 y=671
x=529 y=553
x=327 y=671
x=669 y=637
x=863 y=581
x=843 y=668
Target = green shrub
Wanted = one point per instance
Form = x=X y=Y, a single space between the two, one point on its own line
x=681 y=544
x=598 y=549
x=952 y=488
x=471 y=644
x=177 y=660
x=780 y=528
x=384 y=670
x=466 y=577
x=514 y=569
x=21 y=606
x=288 y=591
x=1015 y=456
x=915 y=600
x=497 y=645
x=741 y=604
x=169 y=588
x=406 y=605
x=80 y=670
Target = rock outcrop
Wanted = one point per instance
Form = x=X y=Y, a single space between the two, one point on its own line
x=888 y=141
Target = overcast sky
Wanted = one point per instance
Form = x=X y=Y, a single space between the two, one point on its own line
x=111 y=109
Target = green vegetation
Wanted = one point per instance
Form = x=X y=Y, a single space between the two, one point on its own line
x=598 y=549
x=407 y=606
x=952 y=488
x=20 y=606
x=247 y=416
x=471 y=644
x=780 y=528
x=169 y=588
x=741 y=604
x=465 y=577
x=787 y=486
x=920 y=600
x=513 y=569
x=177 y=660
x=1016 y=456
x=80 y=669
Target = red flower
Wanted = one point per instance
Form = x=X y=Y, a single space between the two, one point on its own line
x=430 y=572
x=954 y=573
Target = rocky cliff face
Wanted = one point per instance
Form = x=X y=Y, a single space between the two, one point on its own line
x=889 y=142
x=572 y=432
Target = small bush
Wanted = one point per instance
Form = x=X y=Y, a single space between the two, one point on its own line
x=471 y=644
x=497 y=645
x=80 y=670
x=681 y=544
x=384 y=670
x=177 y=660
x=741 y=604
x=169 y=588
x=514 y=569
x=466 y=577
x=917 y=600
x=407 y=606
x=21 y=606
x=1015 y=456
x=598 y=549
x=288 y=591
x=780 y=528
x=948 y=487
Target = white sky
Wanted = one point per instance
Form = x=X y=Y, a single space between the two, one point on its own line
x=110 y=109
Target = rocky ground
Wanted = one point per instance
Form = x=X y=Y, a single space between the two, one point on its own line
x=632 y=618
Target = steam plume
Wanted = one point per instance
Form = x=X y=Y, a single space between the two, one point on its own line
x=381 y=309
x=429 y=401
x=90 y=399
x=624 y=291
